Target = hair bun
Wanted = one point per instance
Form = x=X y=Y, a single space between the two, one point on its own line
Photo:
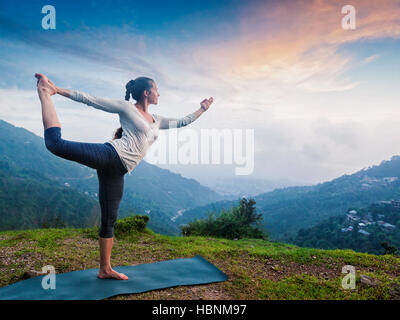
x=130 y=84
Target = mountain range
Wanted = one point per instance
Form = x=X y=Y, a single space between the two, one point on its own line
x=38 y=187
x=287 y=210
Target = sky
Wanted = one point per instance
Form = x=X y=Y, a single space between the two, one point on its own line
x=322 y=100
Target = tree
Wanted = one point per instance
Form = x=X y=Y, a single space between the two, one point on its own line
x=236 y=223
x=247 y=211
x=388 y=248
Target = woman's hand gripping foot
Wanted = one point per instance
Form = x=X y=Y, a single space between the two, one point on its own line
x=44 y=85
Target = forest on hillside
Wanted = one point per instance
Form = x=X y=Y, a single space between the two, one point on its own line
x=373 y=229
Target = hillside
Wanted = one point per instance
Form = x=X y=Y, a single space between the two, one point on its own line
x=257 y=269
x=359 y=229
x=27 y=165
x=286 y=211
x=30 y=200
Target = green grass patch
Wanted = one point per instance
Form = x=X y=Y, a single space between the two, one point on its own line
x=244 y=260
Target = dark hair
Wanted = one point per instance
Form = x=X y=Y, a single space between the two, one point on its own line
x=135 y=88
x=118 y=133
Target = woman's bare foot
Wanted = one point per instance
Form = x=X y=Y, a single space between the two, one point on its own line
x=110 y=273
x=45 y=85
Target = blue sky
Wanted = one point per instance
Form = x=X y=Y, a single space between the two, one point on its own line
x=323 y=101
x=177 y=19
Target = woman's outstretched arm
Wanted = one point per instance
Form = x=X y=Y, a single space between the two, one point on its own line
x=168 y=123
x=108 y=105
x=63 y=92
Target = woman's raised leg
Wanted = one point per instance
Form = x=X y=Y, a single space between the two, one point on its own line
x=49 y=114
x=93 y=155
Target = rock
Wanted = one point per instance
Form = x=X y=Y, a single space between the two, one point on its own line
x=275 y=268
x=369 y=281
x=394 y=290
x=32 y=274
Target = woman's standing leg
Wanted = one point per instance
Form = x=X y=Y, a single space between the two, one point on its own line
x=111 y=188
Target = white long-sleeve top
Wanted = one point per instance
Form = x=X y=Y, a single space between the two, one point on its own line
x=138 y=134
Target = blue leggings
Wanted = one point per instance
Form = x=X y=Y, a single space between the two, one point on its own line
x=110 y=172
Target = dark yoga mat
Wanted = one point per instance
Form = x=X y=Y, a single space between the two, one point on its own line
x=84 y=284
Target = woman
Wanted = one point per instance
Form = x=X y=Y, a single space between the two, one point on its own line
x=114 y=158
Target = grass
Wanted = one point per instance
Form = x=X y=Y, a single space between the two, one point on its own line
x=257 y=269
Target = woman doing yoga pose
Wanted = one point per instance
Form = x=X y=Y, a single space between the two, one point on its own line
x=114 y=158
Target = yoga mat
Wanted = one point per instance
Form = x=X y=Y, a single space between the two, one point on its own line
x=84 y=284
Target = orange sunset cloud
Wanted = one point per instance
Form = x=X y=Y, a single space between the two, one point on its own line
x=296 y=41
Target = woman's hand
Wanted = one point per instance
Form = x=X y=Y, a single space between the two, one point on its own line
x=45 y=85
x=205 y=104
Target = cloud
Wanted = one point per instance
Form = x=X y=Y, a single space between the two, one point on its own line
x=371 y=58
x=71 y=44
x=297 y=42
x=22 y=108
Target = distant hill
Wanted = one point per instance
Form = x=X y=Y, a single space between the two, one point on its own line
x=362 y=230
x=239 y=186
x=287 y=210
x=30 y=200
x=150 y=189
